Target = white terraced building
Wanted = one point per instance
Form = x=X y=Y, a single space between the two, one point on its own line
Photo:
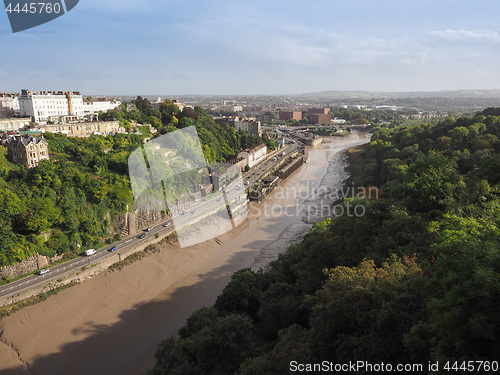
x=45 y=106
x=94 y=106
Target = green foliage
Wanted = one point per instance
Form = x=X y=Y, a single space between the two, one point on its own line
x=241 y=295
x=465 y=286
x=69 y=198
x=215 y=348
x=364 y=311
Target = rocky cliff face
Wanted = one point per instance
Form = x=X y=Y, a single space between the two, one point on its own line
x=137 y=219
x=29 y=265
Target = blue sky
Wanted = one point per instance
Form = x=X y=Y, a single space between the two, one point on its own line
x=163 y=47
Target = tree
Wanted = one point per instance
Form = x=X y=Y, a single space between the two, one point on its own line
x=241 y=295
x=155 y=122
x=168 y=109
x=218 y=348
x=465 y=285
x=42 y=215
x=363 y=313
x=280 y=307
x=431 y=183
x=190 y=113
x=294 y=343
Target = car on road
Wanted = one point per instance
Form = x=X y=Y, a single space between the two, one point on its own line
x=193 y=212
x=149 y=229
x=247 y=183
x=141 y=236
x=166 y=225
x=42 y=272
x=114 y=248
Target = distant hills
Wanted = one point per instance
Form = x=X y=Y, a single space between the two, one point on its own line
x=493 y=93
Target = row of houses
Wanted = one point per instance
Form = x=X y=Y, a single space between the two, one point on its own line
x=83 y=129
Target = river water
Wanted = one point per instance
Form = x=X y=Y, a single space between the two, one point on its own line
x=304 y=198
x=113 y=323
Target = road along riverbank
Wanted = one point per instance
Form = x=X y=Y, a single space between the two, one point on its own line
x=113 y=323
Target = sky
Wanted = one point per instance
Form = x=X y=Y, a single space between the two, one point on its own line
x=243 y=47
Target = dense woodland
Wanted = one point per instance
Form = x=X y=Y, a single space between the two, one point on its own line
x=67 y=204
x=415 y=279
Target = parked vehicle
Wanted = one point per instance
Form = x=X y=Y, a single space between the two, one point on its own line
x=90 y=252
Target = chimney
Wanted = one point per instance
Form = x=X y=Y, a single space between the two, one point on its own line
x=70 y=104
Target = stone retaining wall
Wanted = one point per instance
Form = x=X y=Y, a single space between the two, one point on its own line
x=28 y=265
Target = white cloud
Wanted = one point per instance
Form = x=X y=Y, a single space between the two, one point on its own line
x=467 y=35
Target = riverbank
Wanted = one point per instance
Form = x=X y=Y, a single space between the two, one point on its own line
x=355 y=165
x=114 y=322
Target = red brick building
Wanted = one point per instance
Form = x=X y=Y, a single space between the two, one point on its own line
x=316 y=119
x=290 y=115
x=318 y=111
